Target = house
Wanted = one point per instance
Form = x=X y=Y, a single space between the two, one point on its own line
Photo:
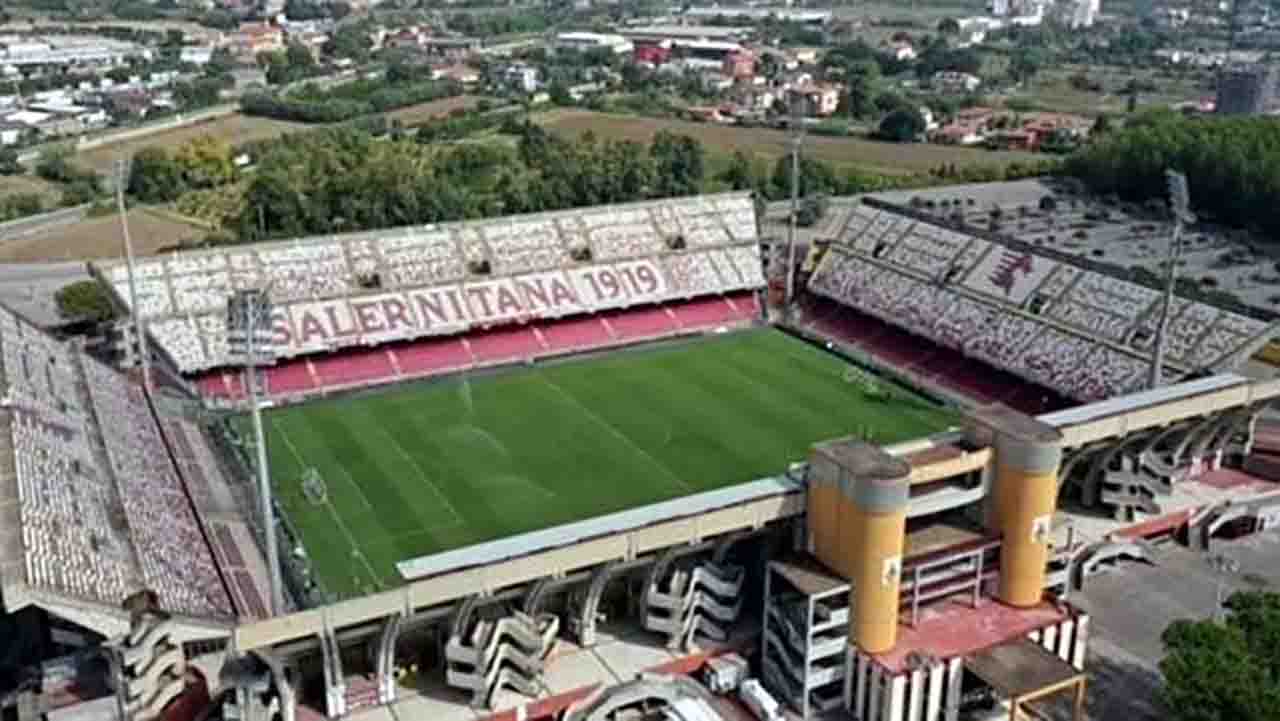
x=752 y=97
x=520 y=77
x=950 y=81
x=815 y=99
x=11 y=133
x=654 y=54
x=461 y=74
x=196 y=55
x=708 y=114
x=741 y=64
x=805 y=56
x=901 y=50
x=251 y=39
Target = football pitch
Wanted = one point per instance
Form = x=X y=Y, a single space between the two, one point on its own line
x=432 y=466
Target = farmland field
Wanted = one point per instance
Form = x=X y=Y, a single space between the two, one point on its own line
x=13 y=184
x=429 y=467
x=422 y=112
x=99 y=238
x=889 y=158
x=233 y=128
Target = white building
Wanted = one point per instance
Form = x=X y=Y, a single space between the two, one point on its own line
x=73 y=50
x=196 y=55
x=521 y=77
x=950 y=81
x=592 y=41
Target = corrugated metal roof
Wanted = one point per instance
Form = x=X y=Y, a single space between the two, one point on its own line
x=1141 y=399
x=579 y=531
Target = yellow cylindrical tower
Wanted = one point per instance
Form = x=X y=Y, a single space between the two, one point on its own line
x=821 y=509
x=1028 y=453
x=861 y=535
x=876 y=497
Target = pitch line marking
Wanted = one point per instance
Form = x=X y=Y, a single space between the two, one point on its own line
x=458 y=520
x=616 y=433
x=351 y=540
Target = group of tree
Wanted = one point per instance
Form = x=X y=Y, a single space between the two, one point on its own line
x=401 y=85
x=158 y=176
x=354 y=181
x=295 y=62
x=1229 y=670
x=1232 y=164
x=20 y=205
x=84 y=301
x=79 y=185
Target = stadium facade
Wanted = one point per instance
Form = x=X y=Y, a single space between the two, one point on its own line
x=881 y=579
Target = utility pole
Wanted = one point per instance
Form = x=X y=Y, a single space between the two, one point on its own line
x=249 y=315
x=1180 y=206
x=139 y=329
x=797 y=138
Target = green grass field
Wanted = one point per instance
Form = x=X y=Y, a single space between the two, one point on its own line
x=433 y=466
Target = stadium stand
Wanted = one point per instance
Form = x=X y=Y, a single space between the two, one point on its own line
x=1076 y=331
x=615 y=274
x=102 y=509
x=359 y=290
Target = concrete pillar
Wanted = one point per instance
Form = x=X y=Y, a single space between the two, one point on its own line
x=1028 y=454
x=1050 y=639
x=1064 y=640
x=895 y=699
x=1080 y=642
x=933 y=706
x=955 y=687
x=860 y=683
x=916 y=705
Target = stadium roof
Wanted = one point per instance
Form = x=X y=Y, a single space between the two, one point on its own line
x=568 y=534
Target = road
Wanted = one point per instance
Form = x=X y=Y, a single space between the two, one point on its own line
x=28 y=288
x=1131 y=607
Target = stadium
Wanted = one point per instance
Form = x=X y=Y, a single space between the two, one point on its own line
x=516 y=461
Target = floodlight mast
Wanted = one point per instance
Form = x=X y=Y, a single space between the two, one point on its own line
x=135 y=311
x=1180 y=206
x=248 y=316
x=797 y=138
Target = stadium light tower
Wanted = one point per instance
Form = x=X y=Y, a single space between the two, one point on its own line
x=1180 y=206
x=249 y=340
x=797 y=138
x=134 y=310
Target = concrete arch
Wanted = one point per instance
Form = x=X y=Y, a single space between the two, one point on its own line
x=538 y=594
x=385 y=668
x=590 y=603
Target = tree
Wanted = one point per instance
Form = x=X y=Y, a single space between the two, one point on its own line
x=154 y=176
x=559 y=94
x=349 y=41
x=1225 y=671
x=84 y=300
x=9 y=164
x=206 y=161
x=902 y=126
x=1101 y=126
x=863 y=80
x=1026 y=62
x=680 y=162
